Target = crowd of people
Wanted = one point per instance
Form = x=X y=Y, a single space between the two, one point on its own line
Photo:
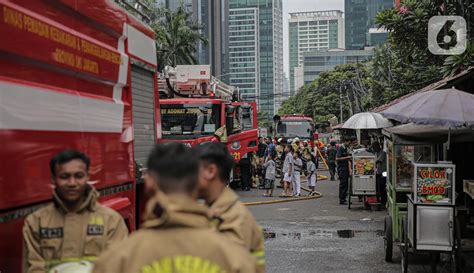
x=179 y=234
x=288 y=160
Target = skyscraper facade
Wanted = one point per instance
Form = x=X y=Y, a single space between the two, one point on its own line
x=315 y=62
x=175 y=4
x=359 y=18
x=310 y=31
x=244 y=52
x=280 y=98
x=213 y=16
x=270 y=14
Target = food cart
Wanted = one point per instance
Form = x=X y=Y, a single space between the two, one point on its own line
x=362 y=183
x=401 y=153
x=430 y=223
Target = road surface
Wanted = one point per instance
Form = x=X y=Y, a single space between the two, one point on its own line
x=320 y=235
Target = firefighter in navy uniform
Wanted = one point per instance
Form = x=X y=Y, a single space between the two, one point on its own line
x=343 y=159
x=72 y=231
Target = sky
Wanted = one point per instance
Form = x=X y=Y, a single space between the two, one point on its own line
x=298 y=6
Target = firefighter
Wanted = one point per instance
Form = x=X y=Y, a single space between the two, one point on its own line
x=177 y=235
x=75 y=228
x=230 y=216
x=246 y=166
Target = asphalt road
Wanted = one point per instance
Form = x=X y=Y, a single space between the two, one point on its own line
x=320 y=235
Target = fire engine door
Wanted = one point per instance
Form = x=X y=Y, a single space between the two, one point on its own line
x=246 y=112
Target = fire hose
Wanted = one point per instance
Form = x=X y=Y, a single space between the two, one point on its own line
x=317 y=195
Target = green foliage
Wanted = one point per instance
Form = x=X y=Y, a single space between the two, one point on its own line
x=177 y=36
x=408 y=30
x=263 y=120
x=457 y=63
x=345 y=84
x=392 y=76
x=402 y=65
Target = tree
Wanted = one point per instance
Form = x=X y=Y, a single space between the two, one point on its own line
x=404 y=63
x=177 y=36
x=457 y=63
x=346 y=84
x=263 y=121
x=392 y=75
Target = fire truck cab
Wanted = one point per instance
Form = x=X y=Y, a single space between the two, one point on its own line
x=295 y=126
x=203 y=109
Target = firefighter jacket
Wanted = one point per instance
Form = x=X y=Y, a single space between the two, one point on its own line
x=55 y=237
x=177 y=236
x=238 y=224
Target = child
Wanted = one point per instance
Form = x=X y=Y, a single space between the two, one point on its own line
x=287 y=171
x=297 y=165
x=312 y=176
x=270 y=168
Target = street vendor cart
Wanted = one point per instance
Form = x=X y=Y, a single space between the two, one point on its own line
x=401 y=153
x=430 y=224
x=362 y=184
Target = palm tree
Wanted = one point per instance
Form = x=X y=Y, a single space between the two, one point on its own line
x=177 y=37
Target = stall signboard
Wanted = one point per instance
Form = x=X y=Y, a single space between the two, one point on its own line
x=434 y=183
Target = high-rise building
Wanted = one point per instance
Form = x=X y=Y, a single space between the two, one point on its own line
x=270 y=15
x=359 y=18
x=244 y=52
x=213 y=16
x=280 y=98
x=376 y=36
x=174 y=4
x=309 y=31
x=315 y=62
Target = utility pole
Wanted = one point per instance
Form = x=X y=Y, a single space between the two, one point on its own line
x=340 y=103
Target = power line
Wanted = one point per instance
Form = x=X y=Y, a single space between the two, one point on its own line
x=391 y=76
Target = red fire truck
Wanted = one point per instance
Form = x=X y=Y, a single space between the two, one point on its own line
x=295 y=126
x=73 y=74
x=196 y=106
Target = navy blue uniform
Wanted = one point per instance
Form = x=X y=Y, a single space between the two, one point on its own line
x=343 y=173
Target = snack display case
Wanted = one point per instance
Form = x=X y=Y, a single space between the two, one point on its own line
x=363 y=175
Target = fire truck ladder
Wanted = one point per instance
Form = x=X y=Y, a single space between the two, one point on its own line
x=198 y=87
